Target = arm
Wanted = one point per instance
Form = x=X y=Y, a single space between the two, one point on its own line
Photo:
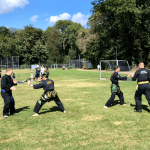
x=38 y=86
x=15 y=82
x=134 y=76
x=119 y=77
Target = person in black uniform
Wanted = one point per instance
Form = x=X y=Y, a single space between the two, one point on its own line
x=115 y=88
x=49 y=94
x=37 y=75
x=7 y=84
x=142 y=75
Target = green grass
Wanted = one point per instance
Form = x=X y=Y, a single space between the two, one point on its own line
x=85 y=126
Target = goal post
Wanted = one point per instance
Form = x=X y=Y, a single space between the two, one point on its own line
x=110 y=65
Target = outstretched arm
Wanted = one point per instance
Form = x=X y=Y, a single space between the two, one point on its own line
x=134 y=76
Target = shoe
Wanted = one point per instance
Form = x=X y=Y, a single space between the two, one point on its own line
x=14 y=114
x=5 y=116
x=64 y=111
x=123 y=104
x=138 y=111
x=35 y=114
x=106 y=107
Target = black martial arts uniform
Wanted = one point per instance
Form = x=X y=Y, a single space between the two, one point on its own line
x=49 y=95
x=9 y=103
x=115 y=89
x=142 y=75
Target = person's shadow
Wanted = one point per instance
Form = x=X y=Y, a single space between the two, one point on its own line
x=145 y=107
x=115 y=102
x=22 y=109
x=54 y=108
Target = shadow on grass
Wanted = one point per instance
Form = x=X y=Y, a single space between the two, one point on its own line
x=22 y=109
x=145 y=107
x=54 y=108
x=116 y=102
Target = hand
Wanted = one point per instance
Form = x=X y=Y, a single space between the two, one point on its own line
x=132 y=74
x=15 y=81
x=12 y=88
x=129 y=75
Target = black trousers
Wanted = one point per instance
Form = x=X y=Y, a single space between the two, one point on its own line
x=142 y=89
x=38 y=106
x=8 y=104
x=110 y=101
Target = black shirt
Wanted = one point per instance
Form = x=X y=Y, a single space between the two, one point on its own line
x=47 y=85
x=142 y=75
x=38 y=70
x=7 y=83
x=115 y=77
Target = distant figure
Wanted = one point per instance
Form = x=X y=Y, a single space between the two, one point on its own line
x=13 y=75
x=0 y=73
x=37 y=75
x=47 y=71
x=32 y=75
x=42 y=71
x=63 y=67
x=98 y=67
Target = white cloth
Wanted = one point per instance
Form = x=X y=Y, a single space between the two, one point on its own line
x=42 y=70
x=98 y=66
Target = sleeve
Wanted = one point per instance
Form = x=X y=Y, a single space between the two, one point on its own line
x=38 y=86
x=4 y=84
x=135 y=76
x=120 y=78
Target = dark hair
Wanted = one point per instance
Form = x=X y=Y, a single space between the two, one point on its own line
x=116 y=67
x=46 y=67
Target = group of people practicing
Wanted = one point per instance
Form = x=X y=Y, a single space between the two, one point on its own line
x=7 y=86
x=143 y=78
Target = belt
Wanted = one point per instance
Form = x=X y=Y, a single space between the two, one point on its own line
x=143 y=82
x=12 y=99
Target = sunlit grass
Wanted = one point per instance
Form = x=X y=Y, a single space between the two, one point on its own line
x=86 y=125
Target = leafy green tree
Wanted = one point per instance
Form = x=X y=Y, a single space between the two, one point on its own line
x=31 y=45
x=53 y=40
x=124 y=24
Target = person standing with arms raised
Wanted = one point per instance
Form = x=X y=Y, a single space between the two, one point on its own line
x=7 y=84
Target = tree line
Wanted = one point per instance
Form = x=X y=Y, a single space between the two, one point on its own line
x=120 y=24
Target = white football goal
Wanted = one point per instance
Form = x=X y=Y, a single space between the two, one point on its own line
x=109 y=66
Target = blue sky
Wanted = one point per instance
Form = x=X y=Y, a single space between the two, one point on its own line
x=43 y=13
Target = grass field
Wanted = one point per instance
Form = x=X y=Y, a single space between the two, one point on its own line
x=85 y=126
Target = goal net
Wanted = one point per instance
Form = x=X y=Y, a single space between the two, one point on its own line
x=108 y=66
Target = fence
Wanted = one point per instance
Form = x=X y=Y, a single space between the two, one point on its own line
x=9 y=62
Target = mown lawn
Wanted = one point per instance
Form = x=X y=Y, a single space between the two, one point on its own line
x=85 y=126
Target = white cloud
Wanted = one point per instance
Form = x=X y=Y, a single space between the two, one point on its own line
x=80 y=18
x=54 y=19
x=34 y=18
x=7 y=6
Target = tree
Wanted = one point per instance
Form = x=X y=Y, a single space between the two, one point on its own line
x=53 y=40
x=31 y=45
x=124 y=24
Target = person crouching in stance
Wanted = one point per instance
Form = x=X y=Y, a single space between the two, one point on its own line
x=115 y=88
x=7 y=84
x=48 y=95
